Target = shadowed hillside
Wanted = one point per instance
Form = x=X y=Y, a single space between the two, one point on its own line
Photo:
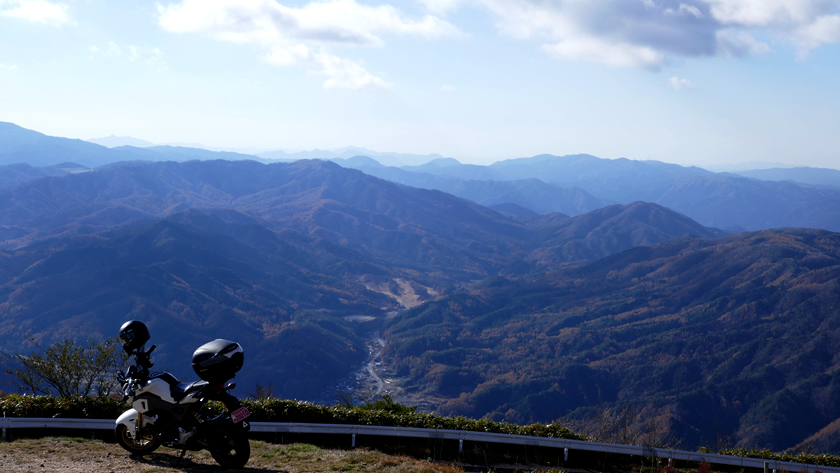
x=193 y=277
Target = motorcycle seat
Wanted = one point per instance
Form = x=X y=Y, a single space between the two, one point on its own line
x=170 y=380
x=180 y=390
x=177 y=389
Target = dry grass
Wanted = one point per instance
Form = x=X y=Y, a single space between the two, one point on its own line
x=73 y=455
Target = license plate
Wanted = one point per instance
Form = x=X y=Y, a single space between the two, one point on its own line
x=240 y=414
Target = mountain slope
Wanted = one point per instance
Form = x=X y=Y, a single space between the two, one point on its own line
x=193 y=277
x=735 y=334
x=14 y=174
x=611 y=230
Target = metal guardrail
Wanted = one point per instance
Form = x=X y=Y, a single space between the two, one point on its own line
x=460 y=435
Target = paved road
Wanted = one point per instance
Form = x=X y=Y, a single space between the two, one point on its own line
x=371 y=367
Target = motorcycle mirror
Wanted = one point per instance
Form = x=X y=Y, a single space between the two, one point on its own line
x=229 y=386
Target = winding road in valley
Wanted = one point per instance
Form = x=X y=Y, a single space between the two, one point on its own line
x=371 y=366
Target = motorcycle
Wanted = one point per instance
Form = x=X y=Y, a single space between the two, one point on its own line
x=166 y=411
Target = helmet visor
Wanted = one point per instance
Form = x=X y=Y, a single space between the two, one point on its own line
x=127 y=336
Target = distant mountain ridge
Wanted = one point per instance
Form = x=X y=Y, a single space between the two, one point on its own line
x=573 y=184
x=530 y=193
x=805 y=175
x=714 y=200
x=113 y=141
x=19 y=145
x=389 y=159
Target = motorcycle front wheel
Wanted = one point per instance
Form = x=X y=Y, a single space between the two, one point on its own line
x=229 y=448
x=148 y=442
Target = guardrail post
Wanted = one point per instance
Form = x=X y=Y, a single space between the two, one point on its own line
x=766 y=467
x=566 y=454
x=353 y=442
x=460 y=445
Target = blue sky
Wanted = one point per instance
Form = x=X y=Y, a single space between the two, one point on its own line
x=690 y=82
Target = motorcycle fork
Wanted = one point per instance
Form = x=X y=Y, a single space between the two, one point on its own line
x=137 y=426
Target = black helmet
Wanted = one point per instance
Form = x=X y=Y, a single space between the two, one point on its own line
x=133 y=335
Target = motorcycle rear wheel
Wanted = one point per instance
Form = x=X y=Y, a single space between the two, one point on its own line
x=148 y=442
x=230 y=449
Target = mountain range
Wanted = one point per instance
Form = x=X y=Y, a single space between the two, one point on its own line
x=574 y=184
x=719 y=200
x=281 y=247
x=522 y=313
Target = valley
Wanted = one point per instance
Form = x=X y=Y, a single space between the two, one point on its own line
x=378 y=377
x=344 y=287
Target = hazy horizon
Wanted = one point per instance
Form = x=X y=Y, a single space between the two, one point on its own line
x=720 y=167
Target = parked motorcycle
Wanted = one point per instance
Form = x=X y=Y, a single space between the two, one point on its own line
x=166 y=411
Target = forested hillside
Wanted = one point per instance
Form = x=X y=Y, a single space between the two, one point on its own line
x=731 y=335
x=276 y=254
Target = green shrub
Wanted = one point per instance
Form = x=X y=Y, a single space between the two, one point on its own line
x=277 y=410
x=820 y=459
x=15 y=405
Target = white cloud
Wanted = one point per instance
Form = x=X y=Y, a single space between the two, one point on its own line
x=808 y=24
x=650 y=33
x=681 y=84
x=739 y=43
x=767 y=12
x=7 y=67
x=288 y=55
x=344 y=74
x=682 y=10
x=288 y=35
x=823 y=30
x=152 y=57
x=442 y=6
x=35 y=11
x=605 y=52
x=447 y=88
x=265 y=22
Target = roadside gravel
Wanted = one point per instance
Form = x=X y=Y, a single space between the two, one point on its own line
x=68 y=455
